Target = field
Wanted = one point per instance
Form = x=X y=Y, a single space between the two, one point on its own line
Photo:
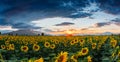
x=60 y=48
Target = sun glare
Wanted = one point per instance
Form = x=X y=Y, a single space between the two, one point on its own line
x=69 y=33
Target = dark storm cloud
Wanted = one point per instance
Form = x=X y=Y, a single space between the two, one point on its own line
x=3 y=22
x=80 y=15
x=110 y=6
x=14 y=7
x=19 y=11
x=102 y=24
x=64 y=24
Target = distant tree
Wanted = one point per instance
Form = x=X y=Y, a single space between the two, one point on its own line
x=38 y=34
x=112 y=34
x=42 y=34
x=0 y=33
x=11 y=34
x=16 y=34
x=8 y=33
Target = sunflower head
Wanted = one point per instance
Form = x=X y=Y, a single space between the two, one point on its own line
x=89 y=58
x=12 y=46
x=7 y=42
x=36 y=47
x=76 y=41
x=93 y=45
x=72 y=42
x=24 y=48
x=79 y=54
x=113 y=43
x=47 y=44
x=3 y=47
x=8 y=47
x=81 y=41
x=74 y=58
x=39 y=60
x=84 y=51
x=52 y=46
x=62 y=57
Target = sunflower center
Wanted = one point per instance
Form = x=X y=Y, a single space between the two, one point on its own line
x=84 y=51
x=61 y=58
x=36 y=47
x=24 y=48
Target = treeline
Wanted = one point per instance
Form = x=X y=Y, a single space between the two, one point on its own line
x=42 y=34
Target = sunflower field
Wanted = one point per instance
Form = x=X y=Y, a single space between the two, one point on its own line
x=60 y=48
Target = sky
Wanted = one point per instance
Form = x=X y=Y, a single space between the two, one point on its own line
x=60 y=16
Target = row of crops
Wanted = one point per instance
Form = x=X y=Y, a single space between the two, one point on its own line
x=59 y=49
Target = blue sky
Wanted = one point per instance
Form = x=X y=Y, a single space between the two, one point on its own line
x=60 y=16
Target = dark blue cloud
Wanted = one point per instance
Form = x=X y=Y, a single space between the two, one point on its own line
x=102 y=24
x=110 y=6
x=24 y=26
x=64 y=24
x=19 y=11
x=116 y=21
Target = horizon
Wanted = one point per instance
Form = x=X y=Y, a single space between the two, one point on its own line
x=61 y=16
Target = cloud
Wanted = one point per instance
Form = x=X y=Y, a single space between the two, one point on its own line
x=65 y=24
x=48 y=30
x=116 y=21
x=2 y=22
x=24 y=26
x=101 y=24
x=80 y=15
x=1 y=27
x=20 y=13
x=84 y=29
x=110 y=6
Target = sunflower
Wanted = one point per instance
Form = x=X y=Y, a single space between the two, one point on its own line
x=82 y=42
x=84 y=51
x=56 y=42
x=52 y=46
x=89 y=58
x=8 y=47
x=113 y=43
x=74 y=58
x=24 y=48
x=72 y=42
x=12 y=47
x=47 y=44
x=79 y=53
x=76 y=41
x=39 y=60
x=36 y=47
x=62 y=57
x=7 y=42
x=99 y=46
x=3 y=47
x=93 y=45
